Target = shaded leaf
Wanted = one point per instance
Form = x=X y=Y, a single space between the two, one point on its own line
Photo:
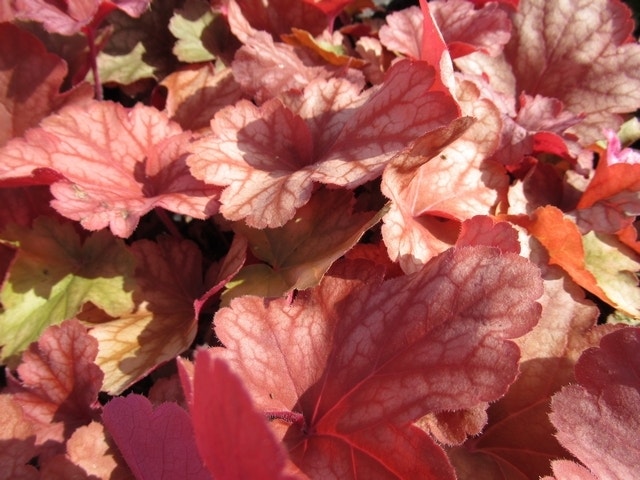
x=196 y=94
x=17 y=442
x=358 y=359
x=156 y=443
x=59 y=383
x=54 y=273
x=601 y=413
x=163 y=324
x=30 y=81
x=301 y=251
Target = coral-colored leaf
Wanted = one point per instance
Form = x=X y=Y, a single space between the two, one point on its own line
x=601 y=413
x=464 y=29
x=269 y=157
x=581 y=53
x=301 y=251
x=518 y=440
x=140 y=156
x=30 y=80
x=90 y=450
x=358 y=359
x=156 y=443
x=485 y=230
x=54 y=274
x=233 y=438
x=59 y=382
x=17 y=442
x=169 y=280
x=457 y=184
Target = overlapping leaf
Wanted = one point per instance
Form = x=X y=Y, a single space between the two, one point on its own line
x=356 y=360
x=58 y=384
x=30 y=81
x=300 y=252
x=54 y=273
x=117 y=165
x=268 y=157
x=162 y=325
x=156 y=443
x=600 y=414
x=454 y=182
x=580 y=52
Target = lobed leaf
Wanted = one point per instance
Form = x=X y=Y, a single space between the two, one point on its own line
x=139 y=153
x=53 y=274
x=359 y=359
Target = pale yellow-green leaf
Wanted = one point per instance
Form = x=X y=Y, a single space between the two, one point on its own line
x=615 y=267
x=191 y=25
x=54 y=274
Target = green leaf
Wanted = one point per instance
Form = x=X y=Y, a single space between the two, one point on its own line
x=193 y=26
x=615 y=267
x=54 y=274
x=139 y=48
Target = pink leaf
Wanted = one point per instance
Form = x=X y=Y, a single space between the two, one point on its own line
x=156 y=443
x=70 y=17
x=519 y=438
x=140 y=156
x=601 y=414
x=269 y=157
x=59 y=381
x=357 y=360
x=581 y=53
x=484 y=230
x=233 y=438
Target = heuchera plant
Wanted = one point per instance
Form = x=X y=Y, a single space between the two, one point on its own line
x=319 y=239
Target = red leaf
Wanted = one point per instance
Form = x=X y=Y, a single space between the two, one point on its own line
x=359 y=359
x=519 y=438
x=233 y=438
x=59 y=381
x=156 y=443
x=30 y=80
x=601 y=414
x=269 y=157
x=139 y=153
x=278 y=16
